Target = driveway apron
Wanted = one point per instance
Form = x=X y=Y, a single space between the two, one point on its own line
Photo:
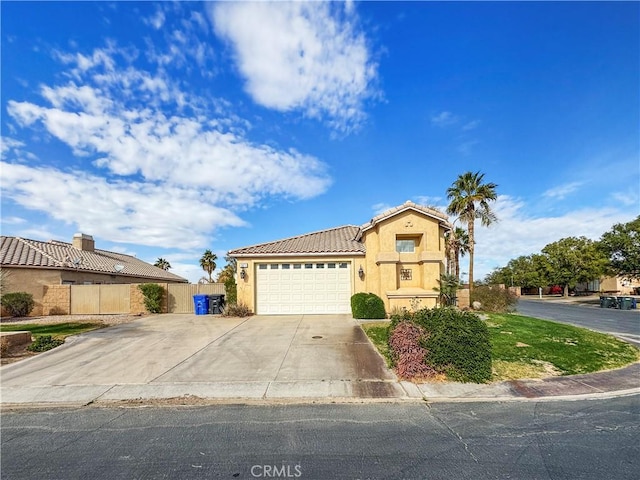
x=192 y=349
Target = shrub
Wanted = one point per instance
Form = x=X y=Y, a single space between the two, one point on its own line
x=231 y=290
x=44 y=343
x=367 y=305
x=494 y=298
x=236 y=310
x=407 y=355
x=18 y=304
x=456 y=343
x=153 y=294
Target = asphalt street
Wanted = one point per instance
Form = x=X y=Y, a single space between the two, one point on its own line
x=596 y=439
x=622 y=323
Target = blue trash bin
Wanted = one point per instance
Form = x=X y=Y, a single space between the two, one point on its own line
x=201 y=304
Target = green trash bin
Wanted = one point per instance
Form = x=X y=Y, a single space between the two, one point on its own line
x=625 y=303
x=608 y=302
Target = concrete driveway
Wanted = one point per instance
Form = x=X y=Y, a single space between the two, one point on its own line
x=303 y=355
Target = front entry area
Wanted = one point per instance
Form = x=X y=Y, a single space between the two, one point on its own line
x=303 y=288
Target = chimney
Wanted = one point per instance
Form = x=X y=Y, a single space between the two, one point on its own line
x=83 y=242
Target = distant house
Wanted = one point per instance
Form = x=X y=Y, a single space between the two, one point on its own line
x=398 y=255
x=28 y=265
x=619 y=285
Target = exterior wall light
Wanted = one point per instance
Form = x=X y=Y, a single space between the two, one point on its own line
x=361 y=273
x=243 y=273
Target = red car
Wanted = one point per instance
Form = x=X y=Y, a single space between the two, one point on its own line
x=556 y=290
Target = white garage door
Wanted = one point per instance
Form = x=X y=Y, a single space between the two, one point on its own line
x=291 y=288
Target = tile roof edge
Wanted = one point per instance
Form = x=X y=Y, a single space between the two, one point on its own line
x=407 y=205
x=297 y=236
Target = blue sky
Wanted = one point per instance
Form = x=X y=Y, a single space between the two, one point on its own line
x=164 y=129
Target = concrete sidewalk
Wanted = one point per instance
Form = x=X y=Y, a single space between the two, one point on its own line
x=625 y=381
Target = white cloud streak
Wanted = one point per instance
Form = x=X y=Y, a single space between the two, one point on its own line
x=124 y=212
x=561 y=191
x=444 y=119
x=166 y=171
x=306 y=56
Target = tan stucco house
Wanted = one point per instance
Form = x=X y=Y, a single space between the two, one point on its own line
x=398 y=255
x=29 y=265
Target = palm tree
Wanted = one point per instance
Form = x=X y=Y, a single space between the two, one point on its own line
x=162 y=263
x=469 y=200
x=457 y=245
x=208 y=263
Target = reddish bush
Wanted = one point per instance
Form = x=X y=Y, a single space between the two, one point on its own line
x=406 y=352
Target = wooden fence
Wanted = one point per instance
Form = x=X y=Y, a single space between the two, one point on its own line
x=180 y=295
x=121 y=298
x=101 y=299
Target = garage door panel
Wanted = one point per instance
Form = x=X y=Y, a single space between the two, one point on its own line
x=324 y=288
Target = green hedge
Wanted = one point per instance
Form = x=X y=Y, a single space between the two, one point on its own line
x=18 y=304
x=153 y=294
x=367 y=305
x=457 y=343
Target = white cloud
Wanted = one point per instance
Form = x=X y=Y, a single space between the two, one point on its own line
x=10 y=147
x=35 y=233
x=307 y=56
x=465 y=148
x=167 y=171
x=439 y=203
x=13 y=220
x=472 y=125
x=379 y=208
x=519 y=233
x=156 y=20
x=124 y=212
x=627 y=198
x=7 y=144
x=561 y=191
x=444 y=119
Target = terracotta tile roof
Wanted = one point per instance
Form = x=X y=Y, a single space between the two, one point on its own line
x=340 y=240
x=408 y=205
x=22 y=252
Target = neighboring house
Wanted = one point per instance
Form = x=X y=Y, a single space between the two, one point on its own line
x=398 y=255
x=620 y=285
x=28 y=265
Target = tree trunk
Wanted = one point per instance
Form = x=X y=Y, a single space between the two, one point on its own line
x=470 y=229
x=457 y=264
x=566 y=291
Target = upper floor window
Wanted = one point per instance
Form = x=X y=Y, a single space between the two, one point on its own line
x=406 y=246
